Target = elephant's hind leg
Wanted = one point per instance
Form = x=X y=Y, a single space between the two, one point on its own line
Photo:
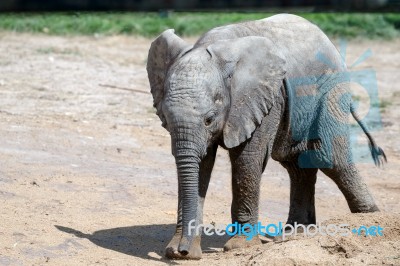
x=356 y=192
x=302 y=190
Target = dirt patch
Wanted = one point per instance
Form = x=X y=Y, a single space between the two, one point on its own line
x=328 y=250
x=87 y=176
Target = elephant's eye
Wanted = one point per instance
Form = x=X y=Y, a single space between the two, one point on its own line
x=218 y=99
x=209 y=118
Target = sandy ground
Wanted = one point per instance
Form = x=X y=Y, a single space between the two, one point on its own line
x=87 y=177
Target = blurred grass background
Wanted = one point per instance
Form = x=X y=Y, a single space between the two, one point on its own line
x=349 y=25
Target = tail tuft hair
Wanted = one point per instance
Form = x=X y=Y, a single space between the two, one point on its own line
x=378 y=155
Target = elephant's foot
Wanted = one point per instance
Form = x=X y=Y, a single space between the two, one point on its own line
x=171 y=251
x=241 y=242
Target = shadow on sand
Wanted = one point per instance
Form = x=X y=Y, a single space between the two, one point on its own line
x=143 y=241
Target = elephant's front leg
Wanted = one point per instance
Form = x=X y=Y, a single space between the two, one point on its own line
x=248 y=162
x=206 y=166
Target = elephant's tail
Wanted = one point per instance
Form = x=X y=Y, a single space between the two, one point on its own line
x=378 y=155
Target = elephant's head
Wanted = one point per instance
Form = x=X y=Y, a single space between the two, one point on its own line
x=210 y=94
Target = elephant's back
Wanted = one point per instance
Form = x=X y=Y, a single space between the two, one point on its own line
x=286 y=30
x=275 y=27
x=307 y=50
x=286 y=18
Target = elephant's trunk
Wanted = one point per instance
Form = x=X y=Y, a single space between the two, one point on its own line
x=188 y=178
x=188 y=155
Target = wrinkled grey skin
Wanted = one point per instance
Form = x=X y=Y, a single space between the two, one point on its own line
x=230 y=90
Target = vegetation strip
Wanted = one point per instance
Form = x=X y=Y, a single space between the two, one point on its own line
x=348 y=25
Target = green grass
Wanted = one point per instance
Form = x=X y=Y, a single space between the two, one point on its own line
x=190 y=24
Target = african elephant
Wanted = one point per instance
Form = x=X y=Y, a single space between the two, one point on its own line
x=240 y=87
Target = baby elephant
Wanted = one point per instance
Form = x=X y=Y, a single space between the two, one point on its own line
x=275 y=87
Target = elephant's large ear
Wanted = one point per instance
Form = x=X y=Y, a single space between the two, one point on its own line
x=163 y=52
x=254 y=70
